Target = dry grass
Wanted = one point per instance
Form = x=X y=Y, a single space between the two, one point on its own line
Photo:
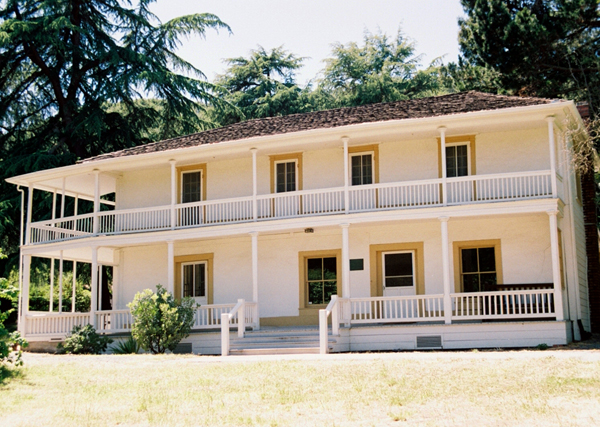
x=456 y=389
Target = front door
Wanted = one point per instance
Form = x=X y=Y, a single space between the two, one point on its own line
x=193 y=281
x=398 y=273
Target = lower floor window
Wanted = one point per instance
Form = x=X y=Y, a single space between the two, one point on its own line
x=478 y=269
x=398 y=270
x=321 y=275
x=194 y=280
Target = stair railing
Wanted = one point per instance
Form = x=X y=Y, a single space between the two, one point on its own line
x=226 y=318
x=332 y=308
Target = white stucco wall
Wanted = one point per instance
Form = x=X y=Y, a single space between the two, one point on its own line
x=144 y=188
x=408 y=160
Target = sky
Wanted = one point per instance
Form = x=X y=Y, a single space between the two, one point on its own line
x=309 y=28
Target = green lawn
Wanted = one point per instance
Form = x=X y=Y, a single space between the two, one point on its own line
x=466 y=389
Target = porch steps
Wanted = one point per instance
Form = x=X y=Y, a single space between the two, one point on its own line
x=302 y=340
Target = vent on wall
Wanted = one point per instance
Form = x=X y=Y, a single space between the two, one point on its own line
x=183 y=348
x=429 y=341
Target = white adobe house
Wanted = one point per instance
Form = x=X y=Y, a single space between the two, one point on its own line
x=446 y=222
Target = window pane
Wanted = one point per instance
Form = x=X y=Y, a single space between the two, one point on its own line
x=329 y=268
x=329 y=289
x=291 y=176
x=398 y=265
x=315 y=293
x=450 y=162
x=188 y=278
x=199 y=282
x=470 y=282
x=488 y=282
x=367 y=169
x=462 y=161
x=487 y=259
x=314 y=267
x=190 y=187
x=469 y=261
x=280 y=177
x=356 y=170
x=397 y=282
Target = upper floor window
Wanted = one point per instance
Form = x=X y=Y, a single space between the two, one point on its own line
x=457 y=160
x=285 y=176
x=191 y=186
x=362 y=169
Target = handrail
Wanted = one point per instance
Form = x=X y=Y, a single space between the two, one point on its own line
x=332 y=308
x=499 y=175
x=226 y=319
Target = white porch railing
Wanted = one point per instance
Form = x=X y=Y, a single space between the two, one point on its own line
x=53 y=324
x=333 y=308
x=327 y=201
x=396 y=309
x=209 y=316
x=113 y=321
x=504 y=305
x=226 y=320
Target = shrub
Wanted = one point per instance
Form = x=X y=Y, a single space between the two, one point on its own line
x=11 y=343
x=84 y=340
x=542 y=346
x=160 y=322
x=129 y=346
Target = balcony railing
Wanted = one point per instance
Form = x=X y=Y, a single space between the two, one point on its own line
x=364 y=198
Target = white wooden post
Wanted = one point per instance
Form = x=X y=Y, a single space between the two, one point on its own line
x=550 y=120
x=24 y=308
x=96 y=200
x=73 y=291
x=345 y=140
x=442 y=130
x=241 y=319
x=54 y=205
x=335 y=316
x=29 y=209
x=254 y=235
x=556 y=278
x=225 y=334
x=170 y=267
x=51 y=302
x=60 y=282
x=323 y=333
x=345 y=261
x=100 y=286
x=76 y=208
x=62 y=198
x=94 y=297
x=173 y=193
x=446 y=270
x=254 y=186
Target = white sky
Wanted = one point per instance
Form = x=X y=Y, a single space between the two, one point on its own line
x=308 y=28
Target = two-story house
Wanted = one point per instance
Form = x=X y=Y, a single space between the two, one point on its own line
x=444 y=222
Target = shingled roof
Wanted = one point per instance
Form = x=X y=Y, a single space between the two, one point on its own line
x=456 y=103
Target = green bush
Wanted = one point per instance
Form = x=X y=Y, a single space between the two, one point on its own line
x=159 y=321
x=84 y=340
x=129 y=346
x=11 y=343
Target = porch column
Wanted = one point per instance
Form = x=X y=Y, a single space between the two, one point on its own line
x=558 y=305
x=446 y=270
x=29 y=209
x=254 y=186
x=550 y=120
x=60 y=282
x=94 y=298
x=24 y=308
x=254 y=235
x=62 y=198
x=76 y=205
x=51 y=302
x=173 y=193
x=53 y=216
x=345 y=262
x=170 y=267
x=73 y=291
x=345 y=140
x=96 y=200
x=442 y=130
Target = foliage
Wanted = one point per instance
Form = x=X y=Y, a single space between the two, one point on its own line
x=541 y=48
x=72 y=74
x=11 y=343
x=262 y=85
x=542 y=346
x=129 y=346
x=84 y=340
x=160 y=322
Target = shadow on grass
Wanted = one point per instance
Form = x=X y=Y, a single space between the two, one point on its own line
x=8 y=373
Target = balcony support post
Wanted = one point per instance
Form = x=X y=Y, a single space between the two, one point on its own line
x=96 y=200
x=60 y=281
x=345 y=261
x=345 y=140
x=556 y=276
x=254 y=235
x=173 y=193
x=170 y=267
x=53 y=205
x=62 y=198
x=29 y=209
x=254 y=186
x=24 y=306
x=550 y=120
x=94 y=297
x=76 y=205
x=442 y=130
x=51 y=302
x=74 y=290
x=446 y=270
